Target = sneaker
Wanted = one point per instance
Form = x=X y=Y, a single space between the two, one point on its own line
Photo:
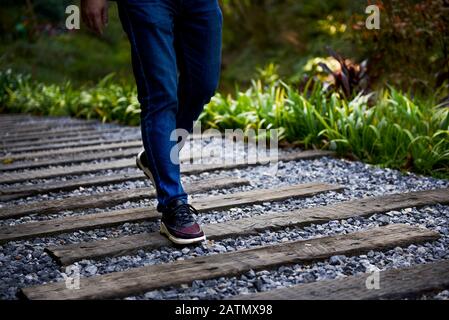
x=178 y=224
x=142 y=164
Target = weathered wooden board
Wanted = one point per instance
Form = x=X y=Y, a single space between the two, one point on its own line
x=26 y=119
x=39 y=142
x=7 y=177
x=111 y=218
x=140 y=280
x=111 y=198
x=13 y=136
x=70 y=151
x=54 y=146
x=120 y=164
x=76 y=158
x=71 y=253
x=393 y=284
x=56 y=139
x=42 y=129
x=90 y=142
x=29 y=127
x=11 y=193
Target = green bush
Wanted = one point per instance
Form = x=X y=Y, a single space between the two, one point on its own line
x=394 y=132
x=107 y=100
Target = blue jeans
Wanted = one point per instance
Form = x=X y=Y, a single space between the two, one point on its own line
x=176 y=57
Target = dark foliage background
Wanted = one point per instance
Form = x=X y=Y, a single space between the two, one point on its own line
x=409 y=51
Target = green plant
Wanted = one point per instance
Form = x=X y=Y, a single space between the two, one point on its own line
x=349 y=78
x=395 y=131
x=107 y=101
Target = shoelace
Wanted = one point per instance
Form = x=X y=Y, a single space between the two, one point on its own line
x=183 y=213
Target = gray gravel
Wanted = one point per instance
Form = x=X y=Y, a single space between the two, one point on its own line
x=443 y=295
x=23 y=263
x=335 y=267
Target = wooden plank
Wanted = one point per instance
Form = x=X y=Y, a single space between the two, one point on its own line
x=11 y=193
x=13 y=136
x=112 y=218
x=76 y=158
x=67 y=136
x=82 y=137
x=393 y=284
x=120 y=164
x=111 y=198
x=53 y=146
x=55 y=119
x=27 y=130
x=143 y=279
x=63 y=171
x=70 y=151
x=71 y=253
x=27 y=127
x=33 y=148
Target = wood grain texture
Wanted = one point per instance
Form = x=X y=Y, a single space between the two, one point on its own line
x=90 y=142
x=10 y=193
x=71 y=151
x=143 y=279
x=44 y=141
x=71 y=253
x=7 y=177
x=75 y=158
x=111 y=198
x=55 y=146
x=26 y=128
x=393 y=284
x=51 y=133
x=124 y=163
x=111 y=218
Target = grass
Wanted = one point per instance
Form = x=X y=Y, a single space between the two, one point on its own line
x=388 y=128
x=78 y=55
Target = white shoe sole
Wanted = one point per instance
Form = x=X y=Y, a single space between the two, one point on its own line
x=173 y=239
x=145 y=170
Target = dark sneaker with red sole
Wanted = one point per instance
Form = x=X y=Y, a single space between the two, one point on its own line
x=179 y=225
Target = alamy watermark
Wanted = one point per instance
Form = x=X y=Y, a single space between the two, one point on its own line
x=72 y=22
x=73 y=19
x=234 y=146
x=372 y=282
x=373 y=20
x=72 y=277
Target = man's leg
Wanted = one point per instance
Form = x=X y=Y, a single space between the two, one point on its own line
x=198 y=45
x=150 y=29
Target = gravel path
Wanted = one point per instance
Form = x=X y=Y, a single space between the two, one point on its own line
x=23 y=263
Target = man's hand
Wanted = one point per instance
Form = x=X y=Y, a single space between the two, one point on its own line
x=95 y=14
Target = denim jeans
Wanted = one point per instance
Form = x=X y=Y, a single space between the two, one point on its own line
x=176 y=57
